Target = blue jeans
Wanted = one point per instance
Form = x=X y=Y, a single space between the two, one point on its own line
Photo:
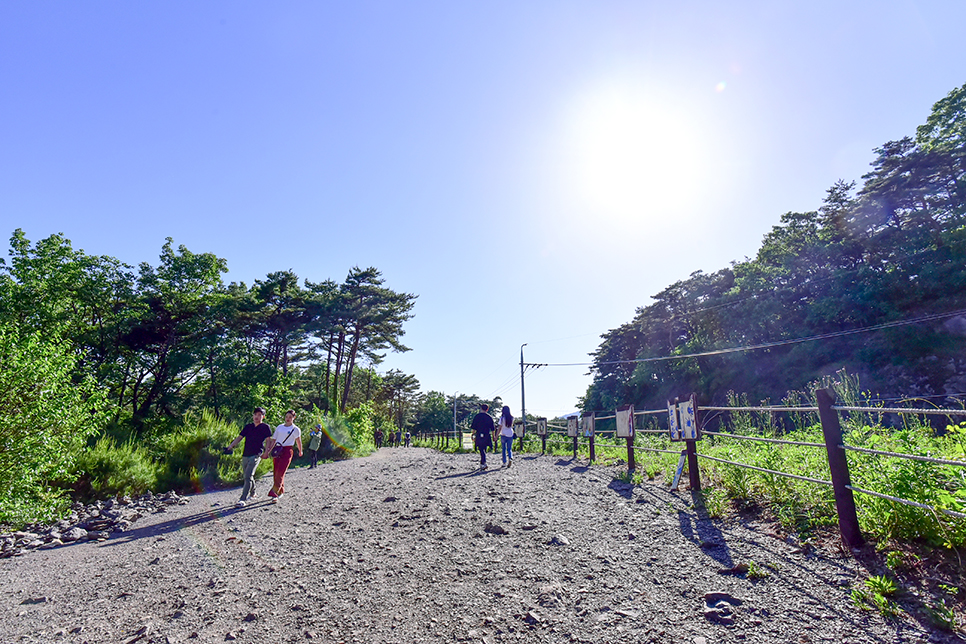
x=507 y=443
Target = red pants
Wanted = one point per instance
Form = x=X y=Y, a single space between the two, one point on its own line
x=279 y=466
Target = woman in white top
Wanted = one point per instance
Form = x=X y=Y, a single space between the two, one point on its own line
x=506 y=436
x=287 y=435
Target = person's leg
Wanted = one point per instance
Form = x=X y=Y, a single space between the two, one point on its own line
x=285 y=459
x=482 y=449
x=249 y=464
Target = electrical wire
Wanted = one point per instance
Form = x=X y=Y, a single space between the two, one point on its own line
x=767 y=345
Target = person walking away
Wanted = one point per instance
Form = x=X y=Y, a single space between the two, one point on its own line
x=408 y=437
x=506 y=436
x=255 y=433
x=315 y=441
x=482 y=427
x=286 y=435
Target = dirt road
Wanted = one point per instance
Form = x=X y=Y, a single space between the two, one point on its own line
x=409 y=545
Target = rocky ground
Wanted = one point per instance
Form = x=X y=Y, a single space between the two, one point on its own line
x=410 y=545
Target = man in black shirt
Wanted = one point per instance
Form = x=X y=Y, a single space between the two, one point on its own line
x=483 y=432
x=254 y=434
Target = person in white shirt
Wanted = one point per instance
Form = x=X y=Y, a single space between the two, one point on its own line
x=287 y=436
x=506 y=436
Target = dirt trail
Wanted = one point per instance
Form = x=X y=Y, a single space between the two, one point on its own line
x=410 y=545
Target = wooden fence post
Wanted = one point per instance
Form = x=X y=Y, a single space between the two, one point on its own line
x=694 y=476
x=631 y=465
x=838 y=465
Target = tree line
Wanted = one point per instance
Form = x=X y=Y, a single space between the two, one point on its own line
x=161 y=340
x=885 y=252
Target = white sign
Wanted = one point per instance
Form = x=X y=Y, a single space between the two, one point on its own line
x=674 y=429
x=541 y=427
x=689 y=422
x=518 y=427
x=587 y=424
x=683 y=420
x=572 y=426
x=625 y=421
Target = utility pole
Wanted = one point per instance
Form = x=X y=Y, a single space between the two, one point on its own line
x=455 y=396
x=523 y=398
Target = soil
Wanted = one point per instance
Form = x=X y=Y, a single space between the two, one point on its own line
x=412 y=545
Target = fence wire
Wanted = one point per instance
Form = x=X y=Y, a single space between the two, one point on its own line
x=764 y=440
x=952 y=513
x=761 y=469
x=911 y=457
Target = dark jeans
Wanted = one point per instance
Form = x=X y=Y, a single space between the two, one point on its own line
x=314 y=456
x=482 y=449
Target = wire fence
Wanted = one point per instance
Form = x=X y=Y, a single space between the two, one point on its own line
x=834 y=449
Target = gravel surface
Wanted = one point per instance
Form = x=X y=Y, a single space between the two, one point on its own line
x=410 y=545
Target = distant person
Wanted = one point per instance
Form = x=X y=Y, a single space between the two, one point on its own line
x=506 y=436
x=482 y=427
x=408 y=437
x=254 y=434
x=315 y=442
x=378 y=437
x=286 y=435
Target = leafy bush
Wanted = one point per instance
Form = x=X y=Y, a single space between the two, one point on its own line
x=48 y=418
x=109 y=469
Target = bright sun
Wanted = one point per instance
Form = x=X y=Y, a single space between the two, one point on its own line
x=632 y=156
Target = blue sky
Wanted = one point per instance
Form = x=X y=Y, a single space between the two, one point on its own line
x=534 y=171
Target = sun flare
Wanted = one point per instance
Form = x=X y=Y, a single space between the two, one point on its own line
x=632 y=155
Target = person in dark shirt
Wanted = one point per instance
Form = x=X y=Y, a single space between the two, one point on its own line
x=254 y=434
x=483 y=432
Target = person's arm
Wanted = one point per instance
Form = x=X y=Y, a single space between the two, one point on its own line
x=269 y=444
x=298 y=441
x=234 y=443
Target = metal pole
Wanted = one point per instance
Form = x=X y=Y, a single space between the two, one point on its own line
x=454 y=418
x=523 y=403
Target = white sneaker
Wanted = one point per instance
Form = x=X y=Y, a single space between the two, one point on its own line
x=240 y=504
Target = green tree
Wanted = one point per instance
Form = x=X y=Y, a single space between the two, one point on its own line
x=49 y=414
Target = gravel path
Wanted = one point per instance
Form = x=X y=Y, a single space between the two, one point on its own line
x=410 y=545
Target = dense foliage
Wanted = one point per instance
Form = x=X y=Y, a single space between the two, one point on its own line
x=891 y=251
x=153 y=369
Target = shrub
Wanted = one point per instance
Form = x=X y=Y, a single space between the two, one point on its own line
x=193 y=460
x=109 y=469
x=49 y=416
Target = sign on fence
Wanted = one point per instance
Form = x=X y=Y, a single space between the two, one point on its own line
x=673 y=427
x=518 y=427
x=541 y=427
x=572 y=426
x=587 y=424
x=625 y=421
x=683 y=420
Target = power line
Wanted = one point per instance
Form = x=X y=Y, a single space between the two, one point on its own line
x=767 y=345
